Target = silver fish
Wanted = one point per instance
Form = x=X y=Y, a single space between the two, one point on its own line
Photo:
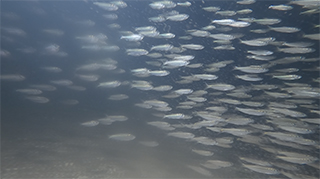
x=262 y=169
x=183 y=135
x=178 y=17
x=281 y=7
x=109 y=84
x=122 y=137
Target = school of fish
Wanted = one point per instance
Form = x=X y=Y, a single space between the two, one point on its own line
x=258 y=96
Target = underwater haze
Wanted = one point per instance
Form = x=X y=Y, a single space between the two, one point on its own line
x=160 y=89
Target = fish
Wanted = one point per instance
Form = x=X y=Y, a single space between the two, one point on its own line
x=293 y=50
x=110 y=16
x=233 y=131
x=175 y=63
x=298 y=44
x=88 y=77
x=185 y=4
x=166 y=35
x=205 y=76
x=184 y=57
x=12 y=77
x=132 y=38
x=137 y=52
x=250 y=111
x=197 y=99
x=298 y=160
x=252 y=69
x=29 y=91
x=229 y=101
x=149 y=143
x=280 y=7
x=298 y=130
x=239 y=24
x=156 y=5
x=174 y=116
x=256 y=43
x=178 y=17
x=216 y=164
x=118 y=97
x=157 y=19
x=224 y=47
x=262 y=169
x=223 y=21
x=238 y=120
x=55 y=32
x=289 y=112
x=145 y=28
x=109 y=84
x=162 y=4
x=159 y=72
x=90 y=123
x=255 y=161
x=163 y=88
x=156 y=103
x=183 y=91
x=122 y=137
x=43 y=87
x=226 y=13
x=62 y=82
x=244 y=11
x=246 y=2
x=288 y=70
x=260 y=57
x=192 y=46
x=221 y=86
x=211 y=9
x=287 y=77
x=106 y=6
x=38 y=99
x=209 y=27
x=312 y=36
x=260 y=52
x=267 y=21
x=249 y=77
x=165 y=47
x=204 y=140
x=119 y=4
x=260 y=31
x=203 y=152
x=199 y=33
x=52 y=69
x=77 y=88
x=222 y=36
x=183 y=135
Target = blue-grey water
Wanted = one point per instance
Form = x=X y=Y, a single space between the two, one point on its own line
x=56 y=109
